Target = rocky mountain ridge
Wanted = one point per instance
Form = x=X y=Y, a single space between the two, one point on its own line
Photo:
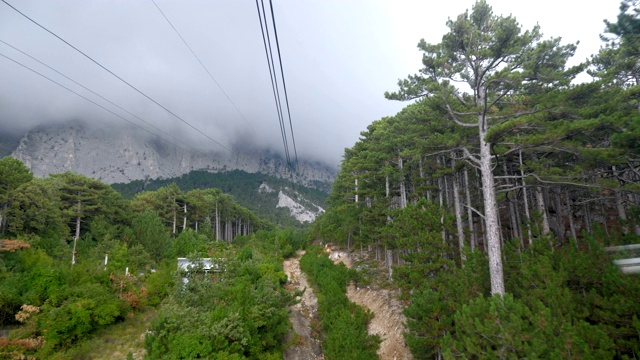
x=122 y=155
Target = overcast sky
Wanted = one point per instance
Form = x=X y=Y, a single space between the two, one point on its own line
x=339 y=57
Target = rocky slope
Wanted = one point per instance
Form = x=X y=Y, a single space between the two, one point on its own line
x=122 y=155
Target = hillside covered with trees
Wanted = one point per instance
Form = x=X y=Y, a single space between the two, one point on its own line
x=495 y=190
x=245 y=189
x=77 y=257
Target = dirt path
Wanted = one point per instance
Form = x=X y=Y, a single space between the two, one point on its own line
x=388 y=322
x=303 y=343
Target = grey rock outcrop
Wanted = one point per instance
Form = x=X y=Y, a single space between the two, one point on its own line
x=122 y=155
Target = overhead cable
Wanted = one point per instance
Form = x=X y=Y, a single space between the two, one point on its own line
x=200 y=61
x=117 y=77
x=284 y=84
x=89 y=100
x=274 y=85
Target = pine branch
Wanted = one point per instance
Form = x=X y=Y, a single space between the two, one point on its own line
x=474 y=210
x=474 y=161
x=455 y=118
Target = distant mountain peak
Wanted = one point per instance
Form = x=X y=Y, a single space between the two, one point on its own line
x=121 y=155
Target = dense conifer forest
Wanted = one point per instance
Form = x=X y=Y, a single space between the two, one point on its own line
x=494 y=193
x=243 y=186
x=493 y=201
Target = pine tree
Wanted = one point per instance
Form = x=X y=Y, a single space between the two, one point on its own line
x=504 y=69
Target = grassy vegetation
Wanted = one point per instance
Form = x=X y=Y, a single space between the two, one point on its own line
x=120 y=341
x=344 y=323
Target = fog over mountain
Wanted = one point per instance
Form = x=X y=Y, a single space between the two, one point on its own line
x=339 y=57
x=122 y=154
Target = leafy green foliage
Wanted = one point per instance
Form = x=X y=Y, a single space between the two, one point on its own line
x=75 y=311
x=238 y=313
x=343 y=322
x=148 y=230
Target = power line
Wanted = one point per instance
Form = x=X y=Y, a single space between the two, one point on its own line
x=117 y=77
x=284 y=84
x=200 y=61
x=274 y=84
x=93 y=92
x=272 y=65
x=89 y=100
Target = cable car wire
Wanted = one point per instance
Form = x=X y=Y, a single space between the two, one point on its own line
x=274 y=85
x=284 y=84
x=117 y=77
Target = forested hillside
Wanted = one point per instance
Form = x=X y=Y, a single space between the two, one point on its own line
x=496 y=189
x=76 y=257
x=244 y=187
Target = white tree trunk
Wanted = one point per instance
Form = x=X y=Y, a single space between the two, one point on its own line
x=217 y=223
x=184 y=220
x=403 y=191
x=459 y=226
x=526 y=202
x=490 y=209
x=458 y=211
x=77 y=235
x=542 y=209
x=472 y=235
x=356 y=190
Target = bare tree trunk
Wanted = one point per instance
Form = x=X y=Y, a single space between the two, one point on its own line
x=175 y=219
x=403 y=191
x=386 y=184
x=77 y=235
x=458 y=211
x=525 y=196
x=542 y=209
x=184 y=220
x=572 y=225
x=512 y=213
x=587 y=218
x=472 y=234
x=444 y=232
x=356 y=183
x=217 y=223
x=490 y=207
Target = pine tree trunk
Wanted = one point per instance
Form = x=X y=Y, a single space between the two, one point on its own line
x=173 y=226
x=77 y=235
x=458 y=211
x=525 y=196
x=184 y=220
x=543 y=211
x=587 y=218
x=572 y=225
x=622 y=214
x=356 y=181
x=490 y=207
x=403 y=191
x=472 y=233
x=217 y=223
x=386 y=184
x=444 y=232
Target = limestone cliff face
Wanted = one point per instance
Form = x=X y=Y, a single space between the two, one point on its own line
x=120 y=156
